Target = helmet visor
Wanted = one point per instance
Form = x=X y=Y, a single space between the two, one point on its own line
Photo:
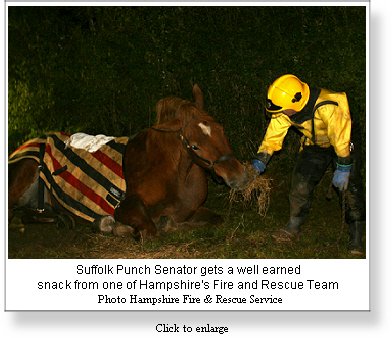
x=271 y=107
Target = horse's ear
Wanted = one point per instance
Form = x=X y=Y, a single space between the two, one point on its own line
x=198 y=96
x=159 y=109
x=173 y=125
x=164 y=110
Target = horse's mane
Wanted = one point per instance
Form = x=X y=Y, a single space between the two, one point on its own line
x=171 y=108
x=168 y=108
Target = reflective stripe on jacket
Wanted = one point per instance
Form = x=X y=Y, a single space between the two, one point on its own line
x=332 y=124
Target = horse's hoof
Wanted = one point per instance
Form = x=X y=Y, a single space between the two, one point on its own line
x=168 y=226
x=105 y=224
x=122 y=230
x=65 y=221
x=16 y=224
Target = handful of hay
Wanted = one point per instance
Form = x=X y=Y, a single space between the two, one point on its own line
x=257 y=191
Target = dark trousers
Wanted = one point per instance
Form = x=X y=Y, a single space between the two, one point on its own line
x=310 y=167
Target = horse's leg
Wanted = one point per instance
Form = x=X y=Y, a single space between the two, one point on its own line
x=204 y=216
x=23 y=191
x=201 y=217
x=21 y=178
x=132 y=211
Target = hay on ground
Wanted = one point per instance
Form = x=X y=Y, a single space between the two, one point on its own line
x=256 y=192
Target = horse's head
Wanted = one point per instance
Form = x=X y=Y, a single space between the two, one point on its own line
x=208 y=146
x=202 y=137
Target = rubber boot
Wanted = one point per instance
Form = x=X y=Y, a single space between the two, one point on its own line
x=294 y=224
x=355 y=237
x=290 y=232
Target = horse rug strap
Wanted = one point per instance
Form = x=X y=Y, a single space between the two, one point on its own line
x=41 y=183
x=87 y=184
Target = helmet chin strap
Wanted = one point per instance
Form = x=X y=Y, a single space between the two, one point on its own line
x=289 y=112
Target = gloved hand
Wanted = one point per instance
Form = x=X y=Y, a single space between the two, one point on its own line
x=258 y=165
x=341 y=176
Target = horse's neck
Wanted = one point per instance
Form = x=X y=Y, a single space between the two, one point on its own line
x=173 y=150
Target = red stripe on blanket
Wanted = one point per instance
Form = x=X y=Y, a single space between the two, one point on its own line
x=76 y=183
x=27 y=145
x=109 y=163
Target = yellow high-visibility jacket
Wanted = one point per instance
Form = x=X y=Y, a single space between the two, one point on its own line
x=331 y=122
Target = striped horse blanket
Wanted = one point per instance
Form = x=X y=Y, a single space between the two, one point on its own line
x=88 y=184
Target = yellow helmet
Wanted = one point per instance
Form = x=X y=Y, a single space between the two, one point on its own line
x=287 y=92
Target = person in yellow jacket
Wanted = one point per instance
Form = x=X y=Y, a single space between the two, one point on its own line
x=323 y=118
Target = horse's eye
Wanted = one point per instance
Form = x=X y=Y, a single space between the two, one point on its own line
x=194 y=147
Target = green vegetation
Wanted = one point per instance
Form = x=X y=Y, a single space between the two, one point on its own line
x=102 y=69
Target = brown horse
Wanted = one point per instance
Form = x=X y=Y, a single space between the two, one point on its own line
x=165 y=170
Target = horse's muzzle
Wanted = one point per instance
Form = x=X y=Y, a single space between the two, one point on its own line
x=233 y=173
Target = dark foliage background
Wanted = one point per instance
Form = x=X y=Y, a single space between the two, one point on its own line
x=102 y=69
